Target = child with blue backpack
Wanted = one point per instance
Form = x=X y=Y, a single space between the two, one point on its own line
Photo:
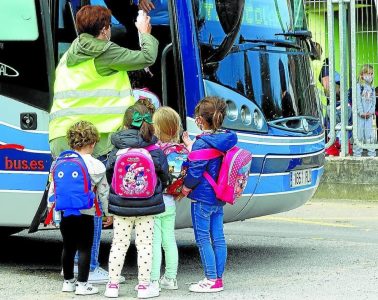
x=206 y=208
x=138 y=172
x=78 y=188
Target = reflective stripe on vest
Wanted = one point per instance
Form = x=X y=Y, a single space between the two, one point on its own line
x=90 y=93
x=80 y=93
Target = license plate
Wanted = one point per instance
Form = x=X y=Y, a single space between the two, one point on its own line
x=300 y=178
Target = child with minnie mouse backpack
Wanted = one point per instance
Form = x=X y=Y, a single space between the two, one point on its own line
x=138 y=171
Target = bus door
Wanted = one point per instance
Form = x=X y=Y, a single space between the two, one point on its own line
x=26 y=77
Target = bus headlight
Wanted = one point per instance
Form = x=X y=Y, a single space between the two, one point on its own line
x=232 y=110
x=246 y=116
x=258 y=120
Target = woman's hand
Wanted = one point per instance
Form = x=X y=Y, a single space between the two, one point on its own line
x=108 y=222
x=143 y=25
x=146 y=5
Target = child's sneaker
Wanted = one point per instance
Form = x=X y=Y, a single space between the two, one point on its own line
x=153 y=282
x=69 y=285
x=99 y=276
x=207 y=286
x=168 y=283
x=85 y=288
x=148 y=290
x=112 y=290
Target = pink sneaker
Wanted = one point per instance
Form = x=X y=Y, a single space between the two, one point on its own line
x=112 y=290
x=207 y=286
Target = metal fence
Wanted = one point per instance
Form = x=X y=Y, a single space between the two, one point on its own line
x=347 y=33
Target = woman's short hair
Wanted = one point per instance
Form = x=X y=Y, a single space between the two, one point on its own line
x=92 y=18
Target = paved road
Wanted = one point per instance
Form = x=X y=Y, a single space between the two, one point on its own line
x=319 y=251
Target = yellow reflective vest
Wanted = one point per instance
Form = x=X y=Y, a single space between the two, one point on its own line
x=80 y=93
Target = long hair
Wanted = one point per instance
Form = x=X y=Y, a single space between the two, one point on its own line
x=146 y=130
x=167 y=124
x=212 y=110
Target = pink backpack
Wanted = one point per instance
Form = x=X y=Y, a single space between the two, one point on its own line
x=134 y=173
x=233 y=174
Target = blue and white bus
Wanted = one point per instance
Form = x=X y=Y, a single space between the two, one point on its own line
x=255 y=54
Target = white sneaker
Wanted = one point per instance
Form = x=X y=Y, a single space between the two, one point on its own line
x=76 y=270
x=99 y=276
x=112 y=290
x=154 y=282
x=148 y=290
x=85 y=288
x=207 y=286
x=168 y=283
x=69 y=285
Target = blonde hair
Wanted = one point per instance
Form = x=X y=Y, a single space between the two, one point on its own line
x=365 y=69
x=81 y=134
x=167 y=124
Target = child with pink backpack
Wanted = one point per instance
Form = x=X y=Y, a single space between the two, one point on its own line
x=138 y=171
x=207 y=164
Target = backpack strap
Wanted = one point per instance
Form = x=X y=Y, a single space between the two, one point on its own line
x=204 y=154
x=152 y=147
x=49 y=217
x=97 y=205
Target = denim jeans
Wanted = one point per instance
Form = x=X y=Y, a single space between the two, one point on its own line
x=208 y=231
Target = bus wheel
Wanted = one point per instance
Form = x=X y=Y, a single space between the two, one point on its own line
x=7 y=231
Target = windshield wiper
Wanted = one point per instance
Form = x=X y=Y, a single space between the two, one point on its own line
x=274 y=42
x=302 y=34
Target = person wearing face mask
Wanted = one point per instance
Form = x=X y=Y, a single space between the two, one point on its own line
x=92 y=84
x=365 y=110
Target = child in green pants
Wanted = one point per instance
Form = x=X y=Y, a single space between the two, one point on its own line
x=167 y=124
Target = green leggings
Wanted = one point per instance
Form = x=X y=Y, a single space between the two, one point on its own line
x=164 y=236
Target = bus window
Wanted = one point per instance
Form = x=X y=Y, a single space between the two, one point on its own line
x=19 y=16
x=25 y=58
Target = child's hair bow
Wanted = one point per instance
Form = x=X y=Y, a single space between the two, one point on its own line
x=138 y=119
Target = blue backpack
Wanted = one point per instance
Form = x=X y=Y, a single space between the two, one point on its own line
x=72 y=183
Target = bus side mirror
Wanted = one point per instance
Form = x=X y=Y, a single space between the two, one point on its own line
x=230 y=13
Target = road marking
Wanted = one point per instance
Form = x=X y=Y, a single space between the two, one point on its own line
x=304 y=221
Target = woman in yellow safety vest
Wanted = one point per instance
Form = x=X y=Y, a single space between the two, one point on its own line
x=91 y=79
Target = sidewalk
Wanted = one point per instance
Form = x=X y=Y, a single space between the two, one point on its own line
x=349 y=178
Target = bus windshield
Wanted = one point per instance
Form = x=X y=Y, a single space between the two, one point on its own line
x=276 y=77
x=261 y=19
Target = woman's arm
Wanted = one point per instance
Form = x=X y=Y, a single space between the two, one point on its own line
x=122 y=59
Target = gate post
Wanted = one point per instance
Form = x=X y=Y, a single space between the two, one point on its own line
x=343 y=76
